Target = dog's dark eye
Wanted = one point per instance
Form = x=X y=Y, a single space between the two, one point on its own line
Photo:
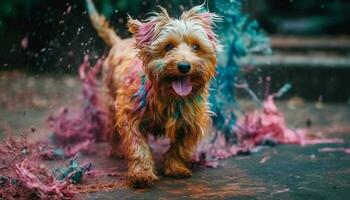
x=169 y=47
x=195 y=47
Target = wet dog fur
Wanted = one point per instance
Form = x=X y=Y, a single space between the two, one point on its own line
x=156 y=83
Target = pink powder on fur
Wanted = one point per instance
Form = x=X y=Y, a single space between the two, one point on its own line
x=208 y=19
x=145 y=33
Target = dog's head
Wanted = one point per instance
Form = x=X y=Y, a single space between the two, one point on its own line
x=179 y=55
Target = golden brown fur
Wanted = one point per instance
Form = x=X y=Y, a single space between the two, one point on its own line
x=139 y=77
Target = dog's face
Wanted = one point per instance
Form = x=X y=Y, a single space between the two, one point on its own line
x=179 y=55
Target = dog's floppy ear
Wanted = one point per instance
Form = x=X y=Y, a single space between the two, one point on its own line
x=145 y=32
x=207 y=20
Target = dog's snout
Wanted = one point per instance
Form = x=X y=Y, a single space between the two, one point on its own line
x=184 y=66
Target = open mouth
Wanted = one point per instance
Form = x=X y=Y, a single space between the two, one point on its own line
x=182 y=86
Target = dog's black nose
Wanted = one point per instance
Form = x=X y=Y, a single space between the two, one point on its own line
x=184 y=66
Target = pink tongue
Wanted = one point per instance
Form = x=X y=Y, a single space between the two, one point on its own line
x=182 y=86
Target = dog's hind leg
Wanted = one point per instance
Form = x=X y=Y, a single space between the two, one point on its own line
x=117 y=147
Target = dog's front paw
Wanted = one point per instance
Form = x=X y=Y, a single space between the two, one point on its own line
x=142 y=179
x=178 y=172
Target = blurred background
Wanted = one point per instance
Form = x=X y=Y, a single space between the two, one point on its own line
x=42 y=44
x=310 y=39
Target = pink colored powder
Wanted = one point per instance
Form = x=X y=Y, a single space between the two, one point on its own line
x=24 y=179
x=78 y=131
x=253 y=130
x=269 y=124
x=46 y=187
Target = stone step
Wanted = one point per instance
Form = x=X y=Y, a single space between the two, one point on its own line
x=326 y=43
x=317 y=68
x=301 y=60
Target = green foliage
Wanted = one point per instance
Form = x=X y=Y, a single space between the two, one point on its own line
x=108 y=7
x=12 y=9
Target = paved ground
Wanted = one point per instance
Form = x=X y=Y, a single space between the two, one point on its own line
x=283 y=172
x=291 y=172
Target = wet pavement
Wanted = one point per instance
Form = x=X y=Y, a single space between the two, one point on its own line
x=282 y=172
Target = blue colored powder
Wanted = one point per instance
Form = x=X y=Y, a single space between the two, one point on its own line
x=73 y=170
x=141 y=95
x=159 y=65
x=241 y=37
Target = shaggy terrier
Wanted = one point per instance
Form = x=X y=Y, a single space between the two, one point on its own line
x=156 y=83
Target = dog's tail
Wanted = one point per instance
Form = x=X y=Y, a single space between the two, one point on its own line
x=101 y=25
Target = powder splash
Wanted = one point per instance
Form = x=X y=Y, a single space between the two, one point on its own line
x=260 y=127
x=24 y=179
x=75 y=132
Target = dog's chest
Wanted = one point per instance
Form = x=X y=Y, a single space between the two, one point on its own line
x=156 y=123
x=149 y=126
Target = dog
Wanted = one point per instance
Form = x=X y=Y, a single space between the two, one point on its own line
x=156 y=83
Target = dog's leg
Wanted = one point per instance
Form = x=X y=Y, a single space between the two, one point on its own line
x=179 y=154
x=117 y=150
x=175 y=163
x=141 y=166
